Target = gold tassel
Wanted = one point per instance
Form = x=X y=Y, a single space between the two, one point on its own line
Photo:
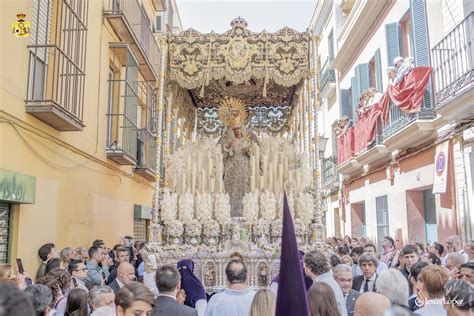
x=265 y=88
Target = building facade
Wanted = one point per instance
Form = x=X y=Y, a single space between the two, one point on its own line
x=388 y=184
x=78 y=113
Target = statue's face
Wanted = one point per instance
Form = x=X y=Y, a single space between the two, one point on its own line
x=237 y=132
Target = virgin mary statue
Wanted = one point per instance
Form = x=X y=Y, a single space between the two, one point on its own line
x=236 y=145
x=237 y=148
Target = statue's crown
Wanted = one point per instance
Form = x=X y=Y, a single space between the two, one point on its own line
x=239 y=22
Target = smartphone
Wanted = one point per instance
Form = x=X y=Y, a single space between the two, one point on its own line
x=19 y=263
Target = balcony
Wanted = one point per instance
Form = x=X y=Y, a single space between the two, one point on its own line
x=453 y=72
x=409 y=130
x=56 y=74
x=146 y=155
x=133 y=27
x=330 y=176
x=327 y=83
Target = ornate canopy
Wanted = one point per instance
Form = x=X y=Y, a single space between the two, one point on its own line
x=261 y=69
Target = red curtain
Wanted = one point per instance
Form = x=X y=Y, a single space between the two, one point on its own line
x=365 y=129
x=408 y=93
x=345 y=146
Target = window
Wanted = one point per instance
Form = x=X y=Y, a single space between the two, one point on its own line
x=381 y=204
x=57 y=63
x=140 y=227
x=159 y=22
x=406 y=36
x=331 y=45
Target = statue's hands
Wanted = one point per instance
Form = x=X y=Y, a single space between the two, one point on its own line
x=246 y=151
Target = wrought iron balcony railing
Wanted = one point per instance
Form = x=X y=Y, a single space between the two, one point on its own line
x=397 y=119
x=329 y=171
x=453 y=62
x=327 y=74
x=133 y=26
x=146 y=154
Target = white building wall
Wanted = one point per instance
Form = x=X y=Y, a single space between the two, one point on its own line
x=377 y=41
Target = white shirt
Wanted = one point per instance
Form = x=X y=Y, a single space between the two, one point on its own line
x=120 y=284
x=230 y=303
x=370 y=285
x=171 y=296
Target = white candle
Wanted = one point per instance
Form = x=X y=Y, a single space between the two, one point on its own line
x=203 y=180
x=193 y=180
x=270 y=180
x=257 y=166
x=183 y=182
x=262 y=183
x=188 y=171
x=209 y=170
x=265 y=171
x=212 y=185
x=252 y=175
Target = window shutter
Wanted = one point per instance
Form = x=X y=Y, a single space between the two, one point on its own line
x=421 y=43
x=363 y=71
x=392 y=35
x=40 y=29
x=378 y=71
x=345 y=103
x=355 y=94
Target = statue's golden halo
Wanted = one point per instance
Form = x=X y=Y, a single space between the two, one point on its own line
x=232 y=112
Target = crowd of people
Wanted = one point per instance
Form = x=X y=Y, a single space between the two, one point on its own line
x=351 y=279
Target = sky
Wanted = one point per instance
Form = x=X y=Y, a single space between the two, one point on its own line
x=271 y=15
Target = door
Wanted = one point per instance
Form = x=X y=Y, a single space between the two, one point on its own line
x=429 y=205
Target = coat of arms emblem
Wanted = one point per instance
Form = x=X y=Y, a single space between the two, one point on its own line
x=21 y=28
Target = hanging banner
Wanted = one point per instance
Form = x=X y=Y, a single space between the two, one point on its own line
x=441 y=168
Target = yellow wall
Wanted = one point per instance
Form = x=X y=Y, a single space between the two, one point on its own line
x=80 y=194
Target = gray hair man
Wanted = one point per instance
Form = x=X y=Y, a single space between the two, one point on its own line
x=168 y=282
x=392 y=284
x=316 y=266
x=454 y=260
x=41 y=297
x=343 y=275
x=366 y=282
x=101 y=296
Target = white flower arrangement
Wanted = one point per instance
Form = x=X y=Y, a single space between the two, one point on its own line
x=204 y=207
x=222 y=208
x=260 y=228
x=175 y=229
x=186 y=208
x=211 y=229
x=277 y=227
x=169 y=206
x=305 y=207
x=300 y=227
x=267 y=206
x=193 y=229
x=250 y=207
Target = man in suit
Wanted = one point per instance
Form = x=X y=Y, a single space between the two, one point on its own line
x=125 y=274
x=168 y=282
x=366 y=282
x=343 y=276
